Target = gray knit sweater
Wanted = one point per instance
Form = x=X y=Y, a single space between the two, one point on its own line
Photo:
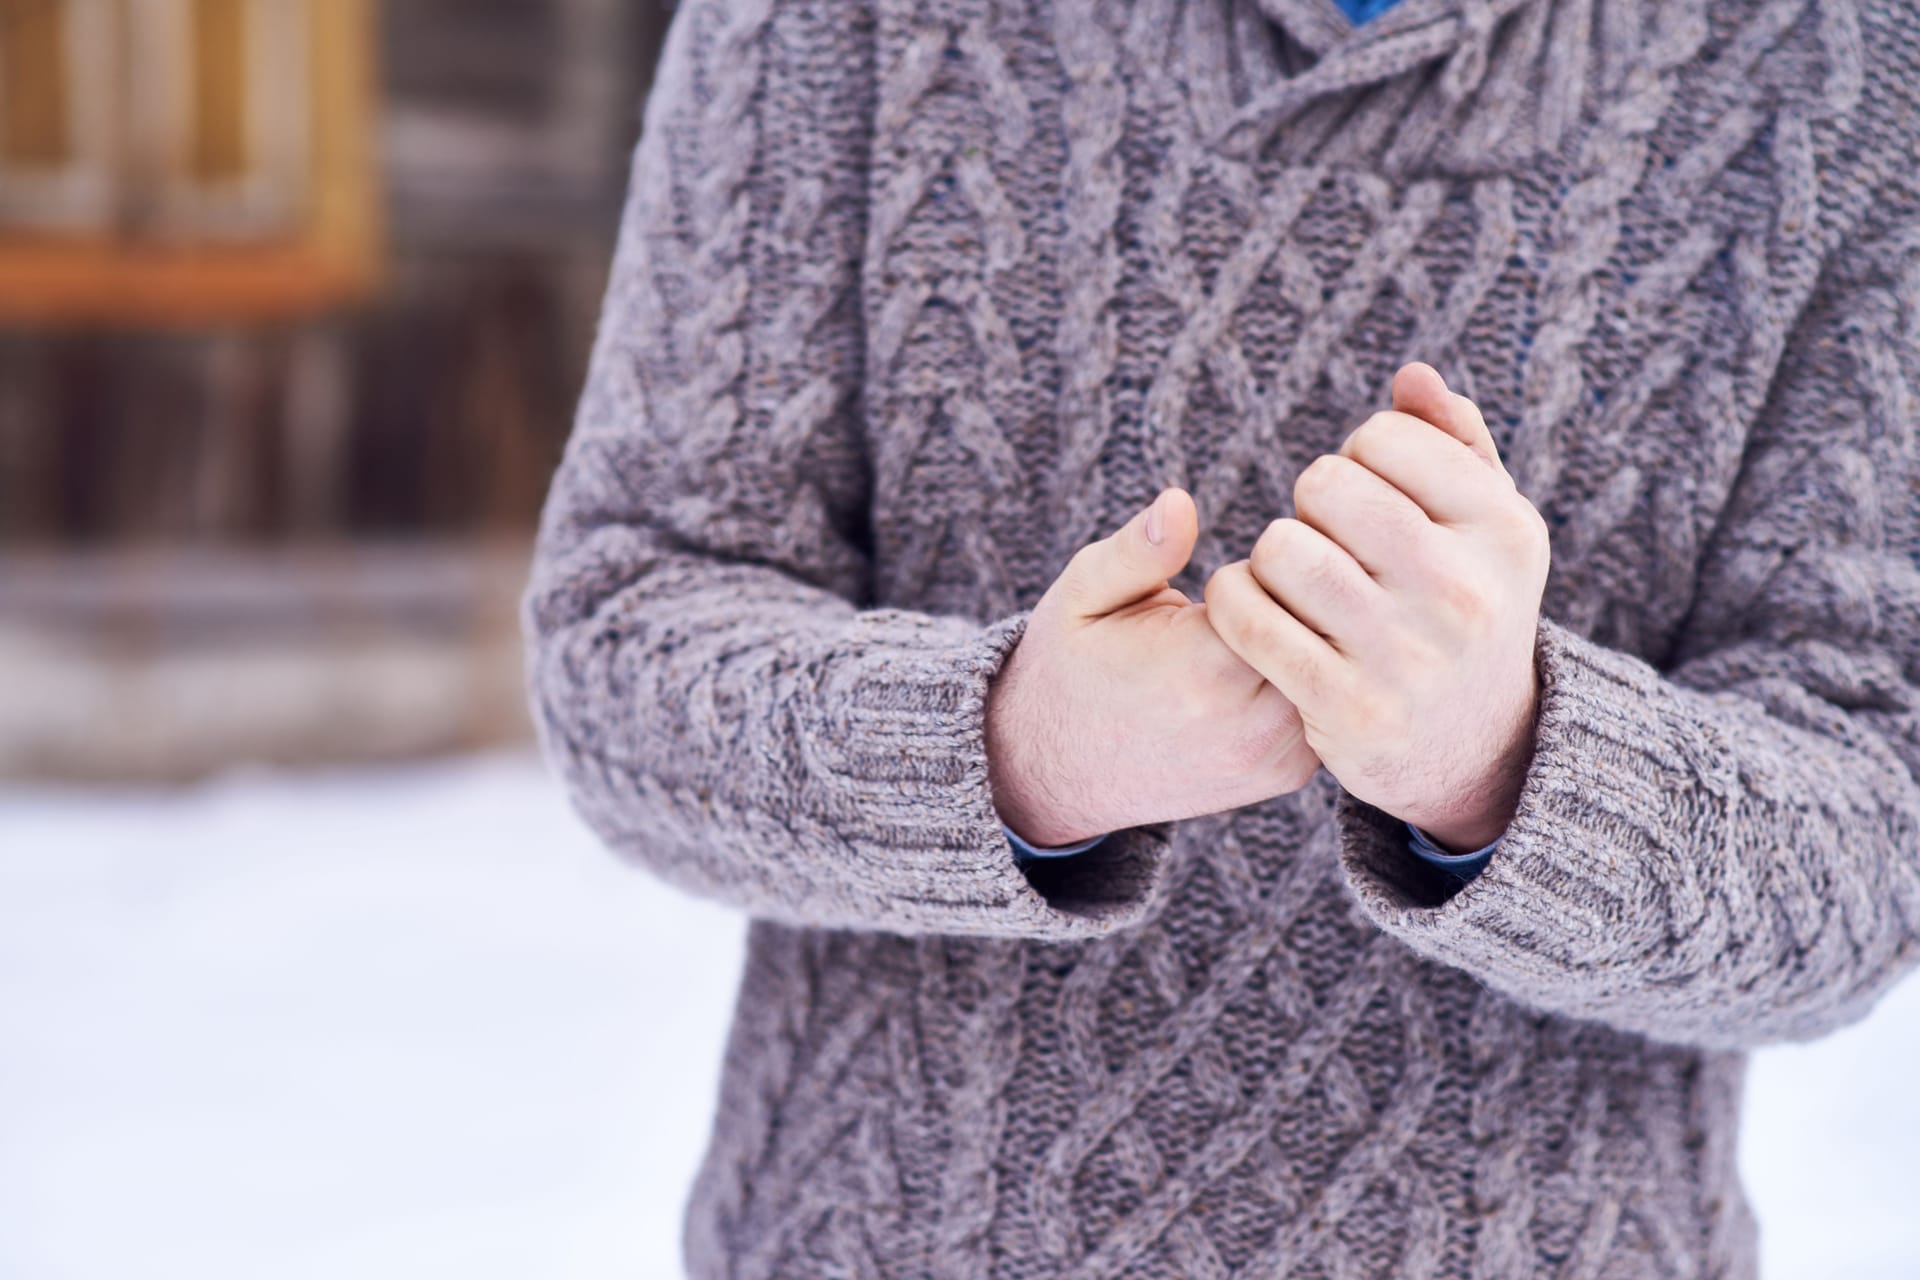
x=913 y=300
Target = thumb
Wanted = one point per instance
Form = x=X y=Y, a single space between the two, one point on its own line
x=1136 y=561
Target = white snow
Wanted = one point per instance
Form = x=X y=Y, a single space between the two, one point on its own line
x=418 y=1023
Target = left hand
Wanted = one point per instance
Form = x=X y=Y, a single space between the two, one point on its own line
x=1399 y=613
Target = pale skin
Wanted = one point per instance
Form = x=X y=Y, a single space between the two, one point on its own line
x=1385 y=631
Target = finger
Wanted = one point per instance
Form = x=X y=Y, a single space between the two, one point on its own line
x=1298 y=661
x=1130 y=564
x=1211 y=660
x=1295 y=761
x=1372 y=520
x=1313 y=578
x=1271 y=704
x=1419 y=389
x=1444 y=478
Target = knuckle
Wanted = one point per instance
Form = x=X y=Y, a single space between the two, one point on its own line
x=1327 y=578
x=1263 y=643
x=1370 y=436
x=1521 y=526
x=1260 y=633
x=1195 y=702
x=1423 y=657
x=1317 y=479
x=1465 y=600
x=1377 y=717
x=1371 y=426
x=1540 y=537
x=1215 y=594
x=1269 y=549
x=1082 y=562
x=1309 y=680
x=1323 y=574
x=1225 y=627
x=1523 y=536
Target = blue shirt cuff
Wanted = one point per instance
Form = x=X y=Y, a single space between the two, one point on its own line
x=1464 y=866
x=1022 y=849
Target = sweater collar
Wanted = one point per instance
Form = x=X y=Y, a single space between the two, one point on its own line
x=1456 y=33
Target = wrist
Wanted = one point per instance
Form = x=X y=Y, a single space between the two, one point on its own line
x=1490 y=810
x=1039 y=824
x=1028 y=806
x=1475 y=825
x=1461 y=840
x=1026 y=849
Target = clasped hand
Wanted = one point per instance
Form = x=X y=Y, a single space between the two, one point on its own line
x=1385 y=631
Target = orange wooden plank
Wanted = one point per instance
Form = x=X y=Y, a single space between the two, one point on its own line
x=337 y=260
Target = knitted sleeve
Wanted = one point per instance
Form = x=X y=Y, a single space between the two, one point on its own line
x=1726 y=852
x=707 y=674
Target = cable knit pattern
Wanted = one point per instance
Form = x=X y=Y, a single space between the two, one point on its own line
x=894 y=278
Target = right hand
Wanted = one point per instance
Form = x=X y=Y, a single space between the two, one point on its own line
x=1121 y=707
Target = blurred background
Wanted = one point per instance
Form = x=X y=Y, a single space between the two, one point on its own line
x=297 y=298
x=305 y=968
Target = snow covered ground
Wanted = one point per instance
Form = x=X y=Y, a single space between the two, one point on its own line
x=417 y=1024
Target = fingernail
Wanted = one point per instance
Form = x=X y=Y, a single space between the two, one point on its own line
x=1154 y=531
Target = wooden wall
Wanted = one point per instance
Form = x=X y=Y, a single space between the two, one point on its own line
x=302 y=541
x=435 y=410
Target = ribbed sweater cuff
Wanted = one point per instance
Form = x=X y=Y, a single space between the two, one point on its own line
x=906 y=750
x=1566 y=913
